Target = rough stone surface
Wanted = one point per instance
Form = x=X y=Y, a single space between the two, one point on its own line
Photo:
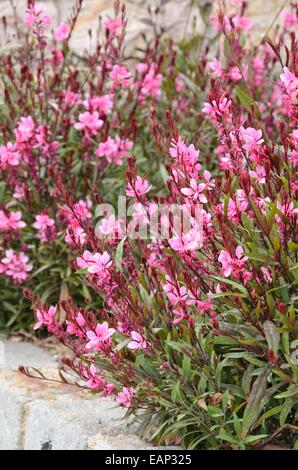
x=69 y=423
x=122 y=442
x=16 y=354
x=37 y=414
x=175 y=16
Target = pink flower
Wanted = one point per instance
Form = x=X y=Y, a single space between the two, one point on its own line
x=56 y=57
x=25 y=129
x=179 y=84
x=287 y=209
x=107 y=149
x=109 y=389
x=85 y=261
x=95 y=382
x=191 y=241
x=138 y=188
x=46 y=227
x=185 y=157
x=294 y=136
x=251 y=138
x=226 y=260
x=80 y=319
x=36 y=9
x=140 y=214
x=11 y=221
x=43 y=221
x=175 y=294
x=35 y=19
x=96 y=264
x=195 y=191
x=259 y=174
x=204 y=306
x=267 y=274
x=124 y=398
x=215 y=67
x=113 y=25
x=9 y=156
x=111 y=226
x=89 y=122
x=75 y=236
x=181 y=152
x=45 y=317
x=209 y=183
x=138 y=341
x=70 y=98
x=100 y=263
x=230 y=264
x=115 y=150
x=294 y=159
x=289 y=80
x=218 y=24
x=81 y=210
x=142 y=67
x=16 y=266
x=103 y=104
x=235 y=74
x=151 y=84
x=62 y=32
x=216 y=110
x=19 y=192
x=236 y=206
x=241 y=23
x=101 y=334
x=290 y=19
x=120 y=76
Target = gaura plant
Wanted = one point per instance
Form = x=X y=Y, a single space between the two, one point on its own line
x=62 y=118
x=197 y=330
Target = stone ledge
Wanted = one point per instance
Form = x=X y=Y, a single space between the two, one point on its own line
x=174 y=18
x=43 y=415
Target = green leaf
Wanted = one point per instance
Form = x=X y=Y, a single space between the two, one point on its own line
x=272 y=412
x=286 y=408
x=272 y=336
x=82 y=271
x=289 y=393
x=186 y=366
x=121 y=345
x=224 y=436
x=250 y=439
x=237 y=424
x=244 y=96
x=293 y=246
x=227 y=49
x=2 y=191
x=175 y=392
x=178 y=345
x=231 y=283
x=119 y=254
x=254 y=401
x=215 y=411
x=147 y=298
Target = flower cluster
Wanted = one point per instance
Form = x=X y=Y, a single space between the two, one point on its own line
x=68 y=128
x=190 y=318
x=192 y=321
x=15 y=266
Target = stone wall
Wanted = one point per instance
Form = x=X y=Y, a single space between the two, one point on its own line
x=46 y=415
x=175 y=16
